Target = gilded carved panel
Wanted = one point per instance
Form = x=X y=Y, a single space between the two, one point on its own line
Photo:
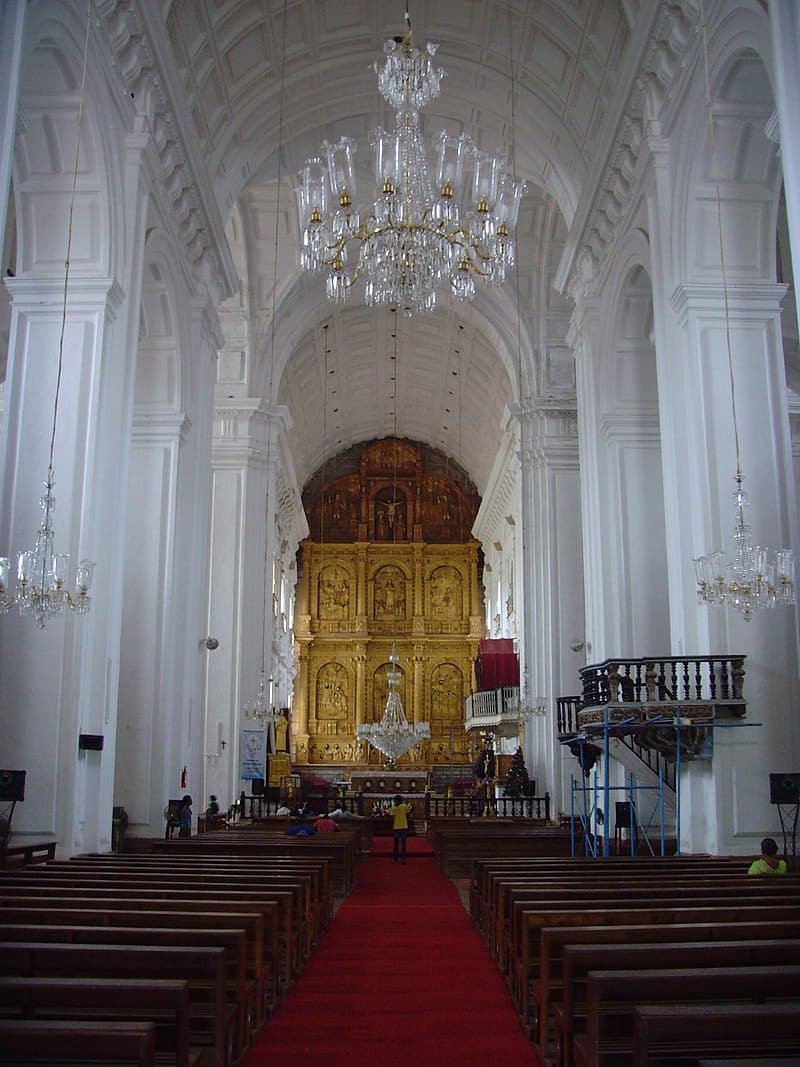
x=333 y=693
x=445 y=593
x=389 y=594
x=334 y=593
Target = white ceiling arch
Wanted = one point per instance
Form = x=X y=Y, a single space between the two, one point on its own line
x=235 y=56
x=232 y=57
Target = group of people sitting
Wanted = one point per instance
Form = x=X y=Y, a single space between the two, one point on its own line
x=309 y=823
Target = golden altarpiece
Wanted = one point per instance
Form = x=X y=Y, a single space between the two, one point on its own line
x=389 y=559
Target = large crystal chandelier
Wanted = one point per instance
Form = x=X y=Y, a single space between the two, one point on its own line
x=394 y=735
x=749 y=581
x=430 y=224
x=42 y=573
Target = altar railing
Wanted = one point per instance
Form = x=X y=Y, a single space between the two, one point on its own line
x=503 y=807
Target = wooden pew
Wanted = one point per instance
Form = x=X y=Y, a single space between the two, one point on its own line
x=313 y=905
x=455 y=847
x=553 y=940
x=683 y=1033
x=203 y=968
x=164 y=1003
x=26 y=1042
x=167 y=897
x=239 y=991
x=485 y=871
x=654 y=916
x=341 y=849
x=641 y=894
x=262 y=940
x=612 y=995
x=596 y=895
x=656 y=955
x=26 y=854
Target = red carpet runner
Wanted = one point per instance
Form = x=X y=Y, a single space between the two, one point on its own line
x=401 y=979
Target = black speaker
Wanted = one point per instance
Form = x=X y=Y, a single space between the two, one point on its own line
x=784 y=788
x=94 y=742
x=257 y=787
x=12 y=785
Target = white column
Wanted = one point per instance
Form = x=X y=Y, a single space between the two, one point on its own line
x=553 y=581
x=62 y=682
x=784 y=19
x=242 y=529
x=12 y=23
x=732 y=793
x=584 y=338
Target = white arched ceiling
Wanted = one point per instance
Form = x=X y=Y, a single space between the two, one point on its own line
x=566 y=59
x=233 y=58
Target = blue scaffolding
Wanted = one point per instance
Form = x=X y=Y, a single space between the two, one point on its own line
x=590 y=805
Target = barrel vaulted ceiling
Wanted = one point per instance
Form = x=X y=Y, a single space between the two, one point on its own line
x=266 y=81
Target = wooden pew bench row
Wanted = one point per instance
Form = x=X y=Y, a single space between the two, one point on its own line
x=237 y=928
x=164 y=1003
x=612 y=996
x=26 y=1042
x=528 y=909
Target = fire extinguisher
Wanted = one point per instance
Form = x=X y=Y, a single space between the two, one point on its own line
x=183 y=778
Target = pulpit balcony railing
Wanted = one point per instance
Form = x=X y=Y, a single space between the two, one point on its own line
x=666 y=680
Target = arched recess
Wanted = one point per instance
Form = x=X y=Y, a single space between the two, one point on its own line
x=744 y=165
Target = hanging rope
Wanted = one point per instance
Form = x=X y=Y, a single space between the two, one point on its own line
x=713 y=147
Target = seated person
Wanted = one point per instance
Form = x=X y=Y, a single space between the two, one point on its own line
x=768 y=862
x=324 y=824
x=301 y=829
x=213 y=806
x=283 y=810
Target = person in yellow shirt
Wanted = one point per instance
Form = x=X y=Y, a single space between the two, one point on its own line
x=768 y=862
x=399 y=812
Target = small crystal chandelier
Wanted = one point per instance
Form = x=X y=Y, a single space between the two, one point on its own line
x=415 y=236
x=748 y=582
x=41 y=580
x=394 y=735
x=261 y=709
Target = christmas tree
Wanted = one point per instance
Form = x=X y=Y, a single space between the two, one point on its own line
x=517 y=780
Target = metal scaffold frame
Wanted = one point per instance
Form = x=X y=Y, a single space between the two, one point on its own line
x=591 y=814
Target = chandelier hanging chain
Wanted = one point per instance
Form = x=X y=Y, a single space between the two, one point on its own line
x=262 y=708
x=41 y=571
x=723 y=269
x=748 y=582
x=416 y=235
